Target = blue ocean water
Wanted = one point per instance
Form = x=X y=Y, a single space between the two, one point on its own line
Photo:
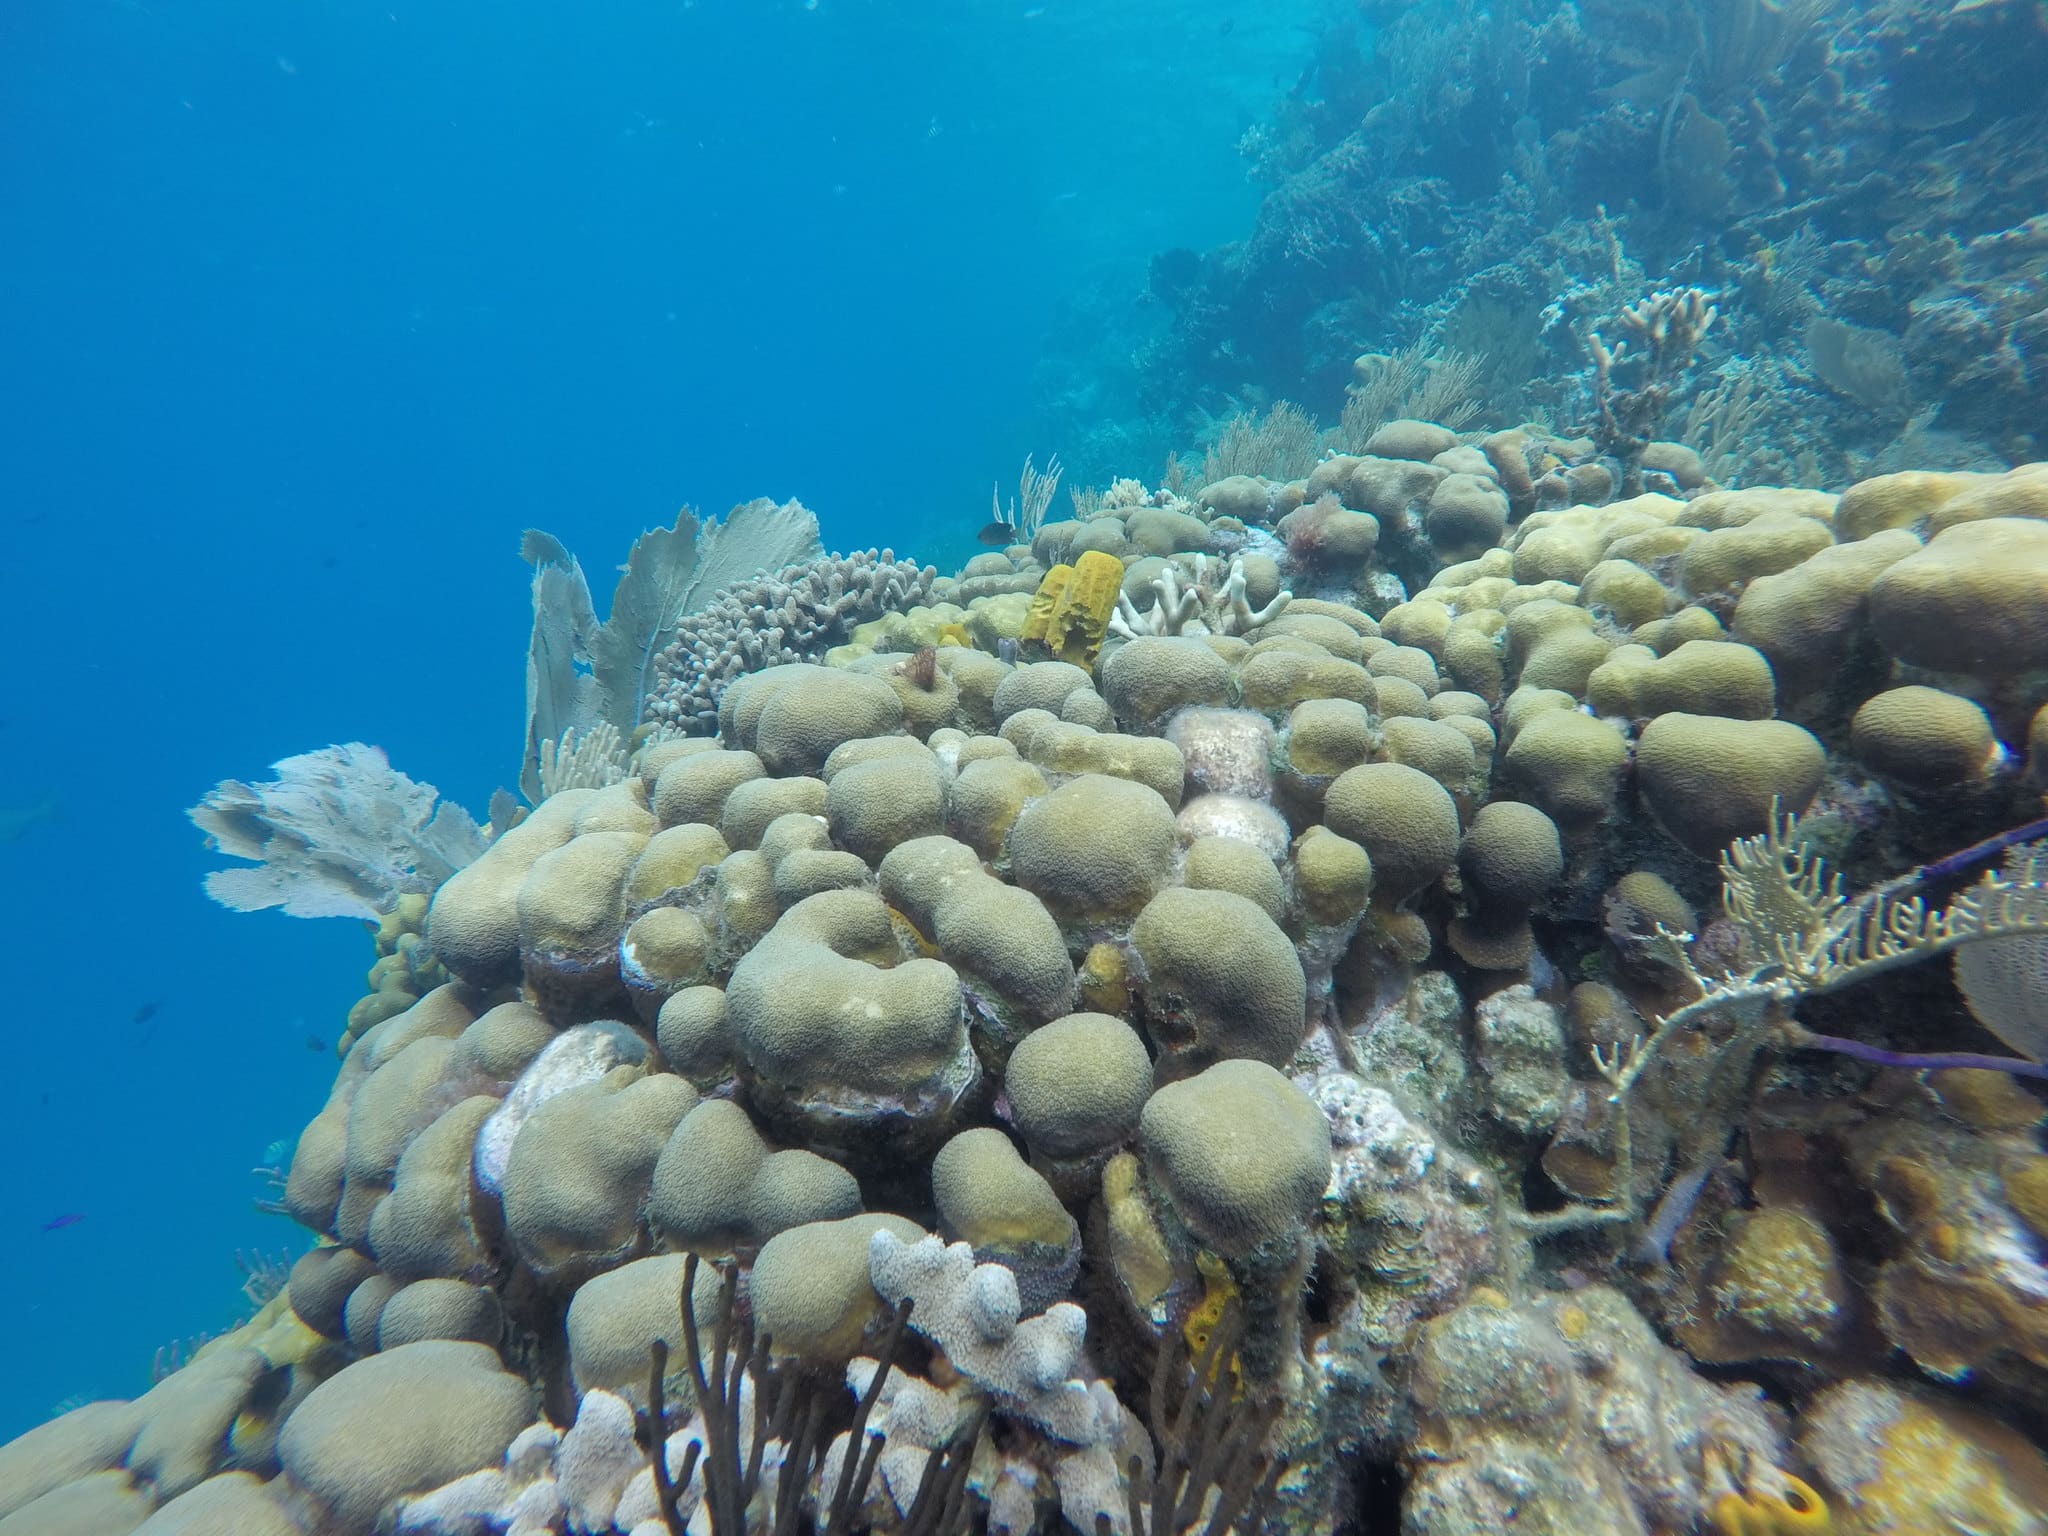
x=307 y=309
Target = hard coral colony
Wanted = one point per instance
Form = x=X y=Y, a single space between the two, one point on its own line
x=1324 y=1001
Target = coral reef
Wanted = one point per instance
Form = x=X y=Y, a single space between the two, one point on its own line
x=1378 y=1031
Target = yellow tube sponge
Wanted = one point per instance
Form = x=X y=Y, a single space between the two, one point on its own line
x=1070 y=611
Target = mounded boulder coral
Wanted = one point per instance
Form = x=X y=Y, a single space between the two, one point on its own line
x=1510 y=858
x=2021 y=491
x=1005 y=946
x=718 y=1185
x=1147 y=679
x=1701 y=677
x=577 y=1178
x=615 y=1317
x=990 y=1198
x=1045 y=685
x=237 y=1502
x=1467 y=515
x=696 y=1037
x=1327 y=736
x=873 y=806
x=1709 y=780
x=441 y=1309
x=810 y=1286
x=693 y=790
x=1974 y=600
x=1407 y=663
x=400 y=1423
x=400 y=1079
x=1442 y=751
x=1077 y=1087
x=365 y=1309
x=1280 y=674
x=793 y=716
x=1924 y=737
x=1324 y=535
x=1063 y=748
x=1242 y=868
x=1805 y=619
x=672 y=861
x=827 y=1015
x=1407 y=438
x=473 y=923
x=320 y=1283
x=985 y=798
x=661 y=952
x=571 y=905
x=588 y=1053
x=1625 y=590
x=1567 y=763
x=1240 y=1154
x=427 y=1227
x=802 y=861
x=98 y=1504
x=1553 y=643
x=1724 y=560
x=1219 y=979
x=1095 y=850
x=755 y=806
x=1332 y=878
x=1897 y=500
x=1404 y=819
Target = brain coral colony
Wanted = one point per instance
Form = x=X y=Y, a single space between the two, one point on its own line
x=1266 y=1005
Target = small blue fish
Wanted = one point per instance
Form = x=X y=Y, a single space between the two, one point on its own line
x=68 y=1219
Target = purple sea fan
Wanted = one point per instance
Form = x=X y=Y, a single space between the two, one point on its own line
x=338 y=833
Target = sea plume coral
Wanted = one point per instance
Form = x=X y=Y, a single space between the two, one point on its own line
x=1802 y=934
x=338 y=833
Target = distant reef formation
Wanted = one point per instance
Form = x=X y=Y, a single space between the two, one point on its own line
x=1466 y=192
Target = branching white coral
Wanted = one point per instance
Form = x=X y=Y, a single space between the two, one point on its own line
x=1031 y=1366
x=1196 y=610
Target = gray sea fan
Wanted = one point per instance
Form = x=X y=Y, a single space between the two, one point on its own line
x=581 y=673
x=338 y=833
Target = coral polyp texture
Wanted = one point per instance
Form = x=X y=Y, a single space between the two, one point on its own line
x=1251 y=1004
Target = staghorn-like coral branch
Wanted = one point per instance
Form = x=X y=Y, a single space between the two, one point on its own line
x=1200 y=609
